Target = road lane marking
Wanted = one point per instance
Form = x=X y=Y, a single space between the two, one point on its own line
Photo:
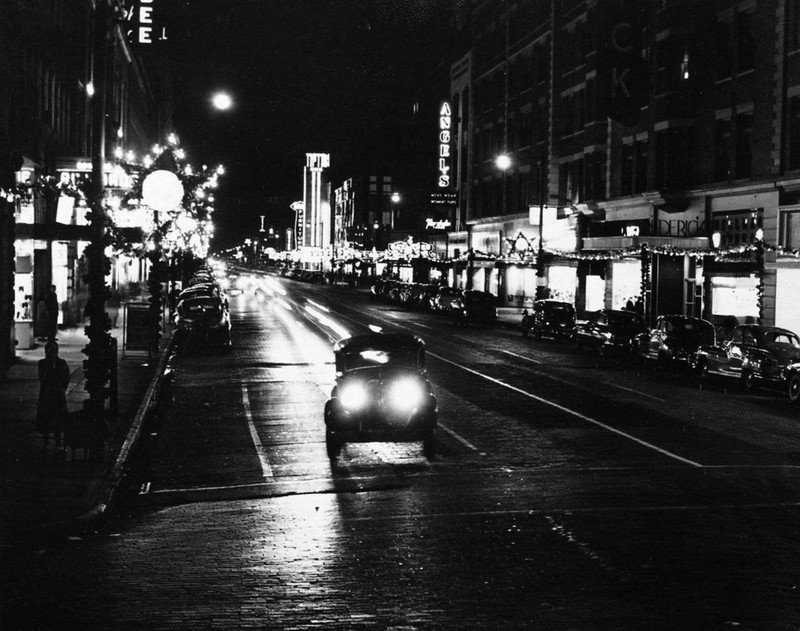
x=460 y=439
x=266 y=470
x=644 y=394
x=608 y=383
x=527 y=359
x=572 y=412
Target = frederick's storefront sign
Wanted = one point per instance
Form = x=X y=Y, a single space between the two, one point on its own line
x=695 y=227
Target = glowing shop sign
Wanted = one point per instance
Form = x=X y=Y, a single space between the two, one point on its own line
x=140 y=15
x=445 y=121
x=435 y=224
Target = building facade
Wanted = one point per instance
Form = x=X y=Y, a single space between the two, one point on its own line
x=49 y=64
x=653 y=154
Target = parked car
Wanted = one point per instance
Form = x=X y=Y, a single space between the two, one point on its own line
x=444 y=297
x=552 y=318
x=610 y=330
x=675 y=339
x=382 y=393
x=474 y=307
x=204 y=320
x=793 y=381
x=755 y=354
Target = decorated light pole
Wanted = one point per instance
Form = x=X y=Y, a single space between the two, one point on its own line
x=99 y=351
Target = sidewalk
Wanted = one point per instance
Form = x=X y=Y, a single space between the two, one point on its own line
x=41 y=488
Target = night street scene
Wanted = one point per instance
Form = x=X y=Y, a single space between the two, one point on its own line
x=400 y=314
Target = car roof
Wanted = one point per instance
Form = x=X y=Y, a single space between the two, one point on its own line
x=378 y=340
x=766 y=327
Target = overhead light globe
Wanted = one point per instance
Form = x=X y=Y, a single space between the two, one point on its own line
x=503 y=161
x=222 y=101
x=162 y=190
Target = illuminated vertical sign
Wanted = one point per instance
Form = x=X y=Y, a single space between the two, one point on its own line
x=445 y=123
x=317 y=213
x=144 y=27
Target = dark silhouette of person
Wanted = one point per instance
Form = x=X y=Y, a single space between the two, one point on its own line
x=51 y=302
x=51 y=413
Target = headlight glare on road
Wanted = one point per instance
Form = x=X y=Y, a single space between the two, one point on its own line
x=353 y=396
x=406 y=394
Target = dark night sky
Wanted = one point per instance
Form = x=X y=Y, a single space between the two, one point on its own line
x=333 y=76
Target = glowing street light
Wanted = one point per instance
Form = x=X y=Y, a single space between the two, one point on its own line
x=222 y=101
x=503 y=162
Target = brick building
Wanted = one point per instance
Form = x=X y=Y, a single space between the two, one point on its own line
x=643 y=134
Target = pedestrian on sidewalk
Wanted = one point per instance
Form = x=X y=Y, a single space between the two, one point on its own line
x=51 y=413
x=51 y=301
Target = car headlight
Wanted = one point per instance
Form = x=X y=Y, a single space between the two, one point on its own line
x=353 y=396
x=406 y=394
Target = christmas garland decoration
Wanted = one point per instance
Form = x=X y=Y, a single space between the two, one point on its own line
x=188 y=227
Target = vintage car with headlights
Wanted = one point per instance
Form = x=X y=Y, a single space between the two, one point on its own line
x=382 y=393
x=203 y=319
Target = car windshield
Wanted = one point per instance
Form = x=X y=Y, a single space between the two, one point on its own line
x=372 y=357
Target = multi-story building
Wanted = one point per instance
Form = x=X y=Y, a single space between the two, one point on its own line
x=49 y=54
x=652 y=153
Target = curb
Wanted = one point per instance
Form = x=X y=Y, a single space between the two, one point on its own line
x=105 y=485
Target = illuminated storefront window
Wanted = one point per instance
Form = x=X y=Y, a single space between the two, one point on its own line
x=736 y=296
x=562 y=282
x=626 y=282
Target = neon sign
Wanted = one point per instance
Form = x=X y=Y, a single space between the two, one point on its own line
x=141 y=14
x=445 y=122
x=433 y=224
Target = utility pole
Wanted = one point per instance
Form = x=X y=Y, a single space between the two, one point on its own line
x=97 y=365
x=541 y=276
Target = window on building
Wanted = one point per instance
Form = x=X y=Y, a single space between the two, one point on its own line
x=595 y=176
x=673 y=158
x=744 y=145
x=793 y=24
x=571 y=181
x=738 y=227
x=525 y=129
x=626 y=182
x=745 y=42
x=724 y=53
x=722 y=142
x=541 y=61
x=642 y=152
x=790 y=230
x=669 y=59
x=793 y=144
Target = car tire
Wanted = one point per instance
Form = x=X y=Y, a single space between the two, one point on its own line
x=748 y=381
x=429 y=445
x=793 y=387
x=703 y=375
x=333 y=445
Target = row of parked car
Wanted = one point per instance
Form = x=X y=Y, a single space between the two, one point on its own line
x=462 y=306
x=754 y=355
x=202 y=314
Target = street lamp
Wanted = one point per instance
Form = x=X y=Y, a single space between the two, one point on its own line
x=222 y=101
